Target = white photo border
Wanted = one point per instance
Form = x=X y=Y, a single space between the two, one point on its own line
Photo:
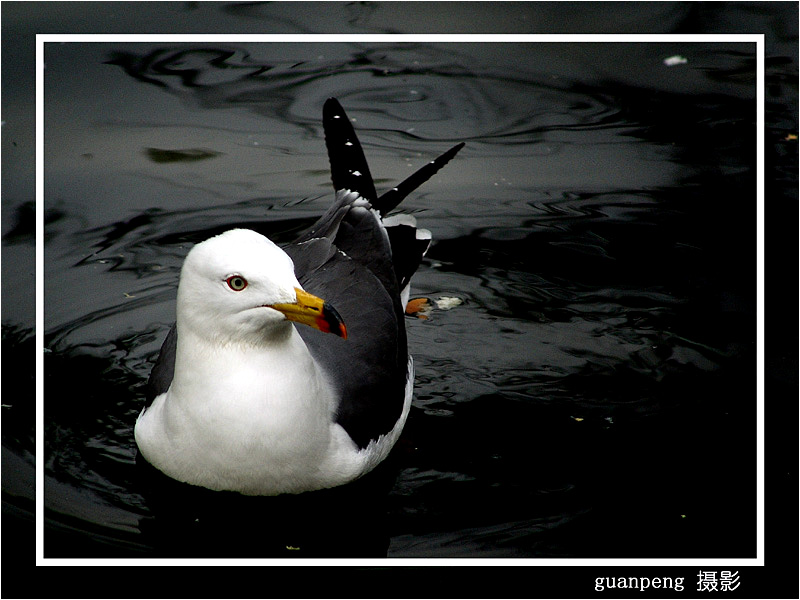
x=42 y=39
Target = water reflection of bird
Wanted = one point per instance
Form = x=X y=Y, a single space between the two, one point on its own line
x=240 y=399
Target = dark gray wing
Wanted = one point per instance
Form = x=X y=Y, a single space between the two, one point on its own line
x=369 y=368
x=164 y=369
x=359 y=266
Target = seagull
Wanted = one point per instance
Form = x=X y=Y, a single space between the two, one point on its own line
x=264 y=388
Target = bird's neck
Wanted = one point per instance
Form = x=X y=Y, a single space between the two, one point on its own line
x=276 y=380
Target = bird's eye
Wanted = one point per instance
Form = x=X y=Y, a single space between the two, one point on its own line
x=236 y=282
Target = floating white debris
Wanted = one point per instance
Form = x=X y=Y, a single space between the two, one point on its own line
x=675 y=60
x=448 y=302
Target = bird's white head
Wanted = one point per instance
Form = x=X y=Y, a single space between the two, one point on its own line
x=239 y=287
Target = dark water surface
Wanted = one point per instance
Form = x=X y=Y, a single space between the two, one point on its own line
x=591 y=393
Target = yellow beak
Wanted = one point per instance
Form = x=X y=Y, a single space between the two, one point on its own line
x=314 y=312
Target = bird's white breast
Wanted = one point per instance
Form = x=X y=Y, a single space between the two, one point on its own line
x=255 y=420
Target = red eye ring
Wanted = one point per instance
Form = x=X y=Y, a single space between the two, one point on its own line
x=236 y=282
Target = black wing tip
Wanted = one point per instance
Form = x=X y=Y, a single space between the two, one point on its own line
x=455 y=149
x=331 y=107
x=389 y=200
x=446 y=157
x=349 y=169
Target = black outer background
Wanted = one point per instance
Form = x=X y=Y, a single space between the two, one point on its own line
x=778 y=579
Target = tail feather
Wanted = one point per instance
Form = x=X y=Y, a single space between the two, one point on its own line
x=409 y=245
